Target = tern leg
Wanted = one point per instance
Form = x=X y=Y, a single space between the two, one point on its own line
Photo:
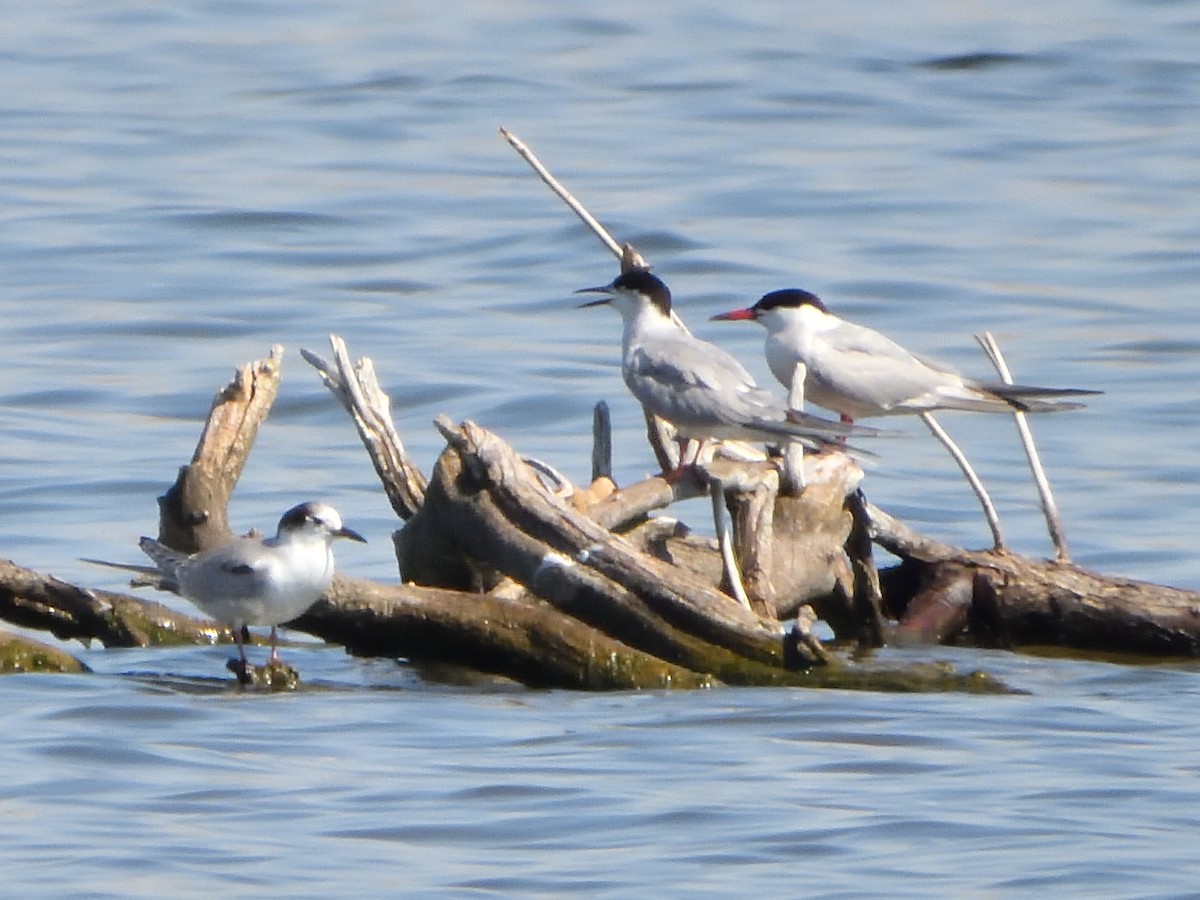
x=240 y=667
x=274 y=657
x=239 y=638
x=689 y=454
x=989 y=510
x=1049 y=507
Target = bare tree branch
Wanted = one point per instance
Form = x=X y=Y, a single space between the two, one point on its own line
x=1049 y=508
x=358 y=390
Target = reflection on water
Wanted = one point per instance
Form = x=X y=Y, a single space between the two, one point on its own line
x=186 y=186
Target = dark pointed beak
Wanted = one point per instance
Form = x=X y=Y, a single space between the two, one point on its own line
x=603 y=289
x=734 y=315
x=350 y=534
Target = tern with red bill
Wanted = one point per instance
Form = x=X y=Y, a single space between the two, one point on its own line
x=858 y=372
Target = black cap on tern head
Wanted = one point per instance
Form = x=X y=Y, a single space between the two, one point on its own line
x=789 y=298
x=637 y=280
x=320 y=515
x=645 y=282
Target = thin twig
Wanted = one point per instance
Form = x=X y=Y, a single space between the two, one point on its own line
x=628 y=256
x=559 y=484
x=356 y=386
x=1049 y=507
x=716 y=491
x=555 y=185
x=989 y=510
x=793 y=451
x=601 y=442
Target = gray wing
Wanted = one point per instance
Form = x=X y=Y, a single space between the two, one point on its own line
x=701 y=388
x=692 y=380
x=234 y=571
x=858 y=362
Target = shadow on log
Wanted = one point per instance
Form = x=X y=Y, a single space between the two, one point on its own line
x=530 y=642
x=33 y=600
x=1022 y=601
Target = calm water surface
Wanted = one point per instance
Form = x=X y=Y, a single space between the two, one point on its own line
x=185 y=185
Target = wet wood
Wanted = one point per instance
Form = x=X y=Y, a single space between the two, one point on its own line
x=33 y=600
x=530 y=642
x=487 y=508
x=193 y=513
x=940 y=610
x=1043 y=602
x=20 y=654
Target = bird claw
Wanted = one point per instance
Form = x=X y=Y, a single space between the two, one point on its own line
x=242 y=670
x=276 y=675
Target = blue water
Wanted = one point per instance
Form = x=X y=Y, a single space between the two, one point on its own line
x=183 y=186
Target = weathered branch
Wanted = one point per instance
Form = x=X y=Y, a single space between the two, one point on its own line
x=193 y=514
x=754 y=517
x=357 y=389
x=532 y=643
x=601 y=442
x=1052 y=603
x=563 y=194
x=866 y=593
x=964 y=465
x=33 y=600
x=483 y=499
x=729 y=563
x=1049 y=507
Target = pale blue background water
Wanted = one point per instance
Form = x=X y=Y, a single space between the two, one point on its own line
x=181 y=186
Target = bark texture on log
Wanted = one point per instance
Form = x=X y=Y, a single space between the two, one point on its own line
x=194 y=512
x=33 y=600
x=1053 y=603
x=484 y=500
x=530 y=642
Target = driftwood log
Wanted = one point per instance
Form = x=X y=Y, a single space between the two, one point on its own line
x=193 y=514
x=998 y=598
x=585 y=588
x=524 y=575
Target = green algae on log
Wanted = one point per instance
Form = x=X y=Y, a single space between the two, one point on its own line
x=528 y=641
x=19 y=654
x=33 y=600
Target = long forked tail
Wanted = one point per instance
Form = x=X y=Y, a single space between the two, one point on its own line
x=147 y=576
x=821 y=433
x=1025 y=398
